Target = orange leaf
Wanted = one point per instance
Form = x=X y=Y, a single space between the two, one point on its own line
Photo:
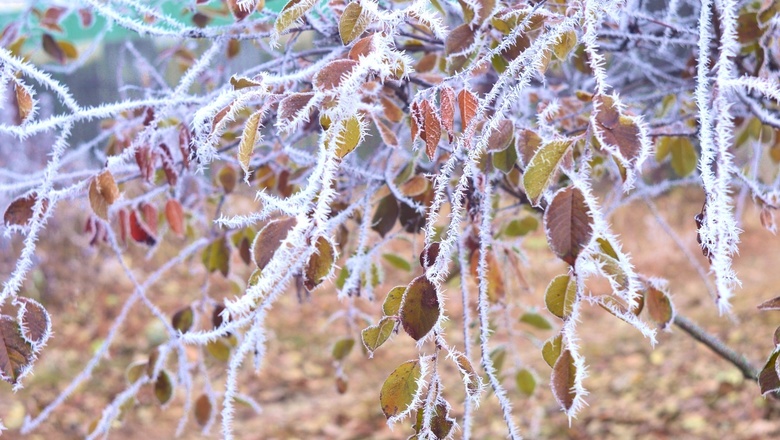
x=175 y=216
x=468 y=107
x=432 y=129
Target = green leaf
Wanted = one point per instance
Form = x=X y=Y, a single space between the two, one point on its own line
x=542 y=168
x=521 y=227
x=392 y=303
x=163 y=387
x=135 y=371
x=536 y=320
x=420 y=309
x=269 y=238
x=397 y=262
x=526 y=382
x=505 y=159
x=216 y=256
x=385 y=215
x=684 y=157
x=560 y=295
x=498 y=356
x=400 y=388
x=376 y=335
x=342 y=348
x=607 y=248
x=552 y=349
x=219 y=349
x=349 y=136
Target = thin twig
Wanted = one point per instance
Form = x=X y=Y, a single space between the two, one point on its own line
x=716 y=345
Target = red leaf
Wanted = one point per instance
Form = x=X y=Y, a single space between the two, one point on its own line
x=467 y=103
x=139 y=231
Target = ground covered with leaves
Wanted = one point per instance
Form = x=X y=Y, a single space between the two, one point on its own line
x=680 y=389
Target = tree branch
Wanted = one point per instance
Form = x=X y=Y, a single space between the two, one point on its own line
x=716 y=345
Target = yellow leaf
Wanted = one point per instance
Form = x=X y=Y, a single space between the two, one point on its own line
x=349 y=136
x=247 y=145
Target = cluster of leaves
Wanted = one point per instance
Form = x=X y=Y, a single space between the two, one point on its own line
x=371 y=125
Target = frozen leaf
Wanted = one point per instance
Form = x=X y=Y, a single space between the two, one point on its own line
x=202 y=410
x=501 y=137
x=239 y=83
x=441 y=422
x=768 y=379
x=392 y=303
x=528 y=141
x=429 y=254
x=542 y=167
x=183 y=319
x=607 y=248
x=562 y=380
x=216 y=256
x=292 y=12
x=400 y=388
x=331 y=75
x=420 y=309
x=770 y=304
x=320 y=264
x=397 y=262
x=376 y=335
x=617 y=130
x=459 y=39
x=241 y=13
x=34 y=321
x=385 y=215
x=352 y=23
x=564 y=46
x=551 y=350
x=24 y=101
x=342 y=348
x=163 y=388
x=103 y=192
x=247 y=144
x=362 y=47
x=349 y=136
x=536 y=320
x=526 y=382
x=470 y=378
x=447 y=101
x=291 y=105
x=560 y=296
x=568 y=224
x=387 y=135
x=20 y=211
x=659 y=305
x=431 y=132
x=521 y=227
x=174 y=214
x=268 y=240
x=468 y=105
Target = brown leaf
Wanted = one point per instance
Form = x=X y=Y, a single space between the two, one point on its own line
x=331 y=75
x=468 y=104
x=320 y=264
x=387 y=135
x=51 y=47
x=420 y=309
x=501 y=137
x=417 y=120
x=268 y=240
x=568 y=224
x=659 y=306
x=768 y=379
x=385 y=215
x=238 y=12
x=20 y=211
x=16 y=355
x=163 y=387
x=391 y=111
x=174 y=214
x=203 y=410
x=362 y=47
x=562 y=380
x=35 y=322
x=459 y=39
x=618 y=130
x=24 y=102
x=103 y=192
x=291 y=105
x=447 y=100
x=431 y=133
x=149 y=213
x=770 y=304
